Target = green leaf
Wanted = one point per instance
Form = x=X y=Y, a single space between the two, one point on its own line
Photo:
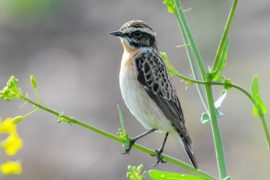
x=121 y=117
x=255 y=92
x=205 y=117
x=221 y=59
x=170 y=6
x=221 y=55
x=163 y=175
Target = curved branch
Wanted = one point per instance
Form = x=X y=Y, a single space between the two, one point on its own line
x=71 y=120
x=238 y=87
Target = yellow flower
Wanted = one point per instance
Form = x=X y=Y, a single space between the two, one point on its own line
x=12 y=144
x=11 y=167
x=7 y=126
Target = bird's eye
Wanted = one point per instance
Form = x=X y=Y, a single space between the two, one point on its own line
x=137 y=34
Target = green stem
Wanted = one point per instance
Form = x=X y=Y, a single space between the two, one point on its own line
x=211 y=108
x=188 y=39
x=264 y=124
x=141 y=148
x=227 y=84
x=216 y=134
x=219 y=84
x=187 y=33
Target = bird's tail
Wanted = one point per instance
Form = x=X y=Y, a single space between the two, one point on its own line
x=188 y=149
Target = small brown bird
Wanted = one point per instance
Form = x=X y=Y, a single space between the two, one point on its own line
x=146 y=87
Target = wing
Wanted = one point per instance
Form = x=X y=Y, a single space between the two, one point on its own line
x=153 y=76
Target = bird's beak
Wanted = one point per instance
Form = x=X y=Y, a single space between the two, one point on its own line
x=117 y=33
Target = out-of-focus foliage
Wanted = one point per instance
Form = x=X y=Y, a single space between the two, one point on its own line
x=25 y=8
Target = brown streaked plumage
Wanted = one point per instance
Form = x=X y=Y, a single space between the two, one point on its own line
x=146 y=87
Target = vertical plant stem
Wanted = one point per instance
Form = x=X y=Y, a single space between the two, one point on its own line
x=216 y=134
x=265 y=127
x=187 y=33
x=194 y=64
x=211 y=108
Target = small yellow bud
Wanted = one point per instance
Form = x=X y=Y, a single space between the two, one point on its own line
x=33 y=81
x=17 y=119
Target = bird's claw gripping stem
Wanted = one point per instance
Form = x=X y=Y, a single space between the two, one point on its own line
x=131 y=143
x=159 y=157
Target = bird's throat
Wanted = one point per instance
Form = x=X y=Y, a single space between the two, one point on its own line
x=127 y=47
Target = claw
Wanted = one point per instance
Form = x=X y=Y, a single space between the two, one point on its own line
x=159 y=158
x=131 y=143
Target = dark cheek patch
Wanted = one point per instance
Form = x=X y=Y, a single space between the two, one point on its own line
x=145 y=40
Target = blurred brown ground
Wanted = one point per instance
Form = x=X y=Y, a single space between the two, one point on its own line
x=67 y=46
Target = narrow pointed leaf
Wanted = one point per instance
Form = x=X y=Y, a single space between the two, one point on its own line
x=221 y=59
x=259 y=108
x=121 y=117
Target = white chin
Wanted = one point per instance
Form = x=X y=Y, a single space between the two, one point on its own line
x=123 y=40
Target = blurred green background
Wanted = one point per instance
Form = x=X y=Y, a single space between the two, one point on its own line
x=67 y=46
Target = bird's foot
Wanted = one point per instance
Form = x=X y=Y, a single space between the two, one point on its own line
x=131 y=143
x=159 y=157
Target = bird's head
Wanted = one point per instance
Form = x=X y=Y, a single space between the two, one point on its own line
x=136 y=34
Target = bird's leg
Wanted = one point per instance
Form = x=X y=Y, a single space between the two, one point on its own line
x=133 y=140
x=160 y=151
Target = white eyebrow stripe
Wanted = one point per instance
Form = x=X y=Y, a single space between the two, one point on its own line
x=145 y=30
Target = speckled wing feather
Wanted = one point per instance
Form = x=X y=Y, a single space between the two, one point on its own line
x=153 y=76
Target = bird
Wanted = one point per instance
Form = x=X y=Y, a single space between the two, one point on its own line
x=147 y=90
